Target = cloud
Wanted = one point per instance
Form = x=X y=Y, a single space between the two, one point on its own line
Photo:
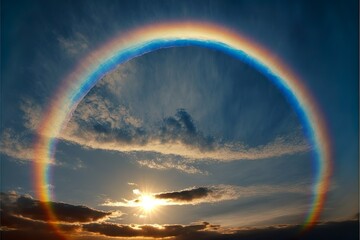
x=19 y=145
x=166 y=162
x=22 y=219
x=201 y=231
x=327 y=230
x=26 y=207
x=143 y=230
x=207 y=194
x=32 y=113
x=187 y=195
x=16 y=145
x=114 y=81
x=98 y=124
x=11 y=221
x=74 y=45
x=181 y=128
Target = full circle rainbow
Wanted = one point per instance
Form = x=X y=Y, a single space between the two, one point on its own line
x=129 y=45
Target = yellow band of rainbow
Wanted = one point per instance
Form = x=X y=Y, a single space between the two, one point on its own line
x=135 y=43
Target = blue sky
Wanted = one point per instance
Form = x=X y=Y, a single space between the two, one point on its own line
x=190 y=97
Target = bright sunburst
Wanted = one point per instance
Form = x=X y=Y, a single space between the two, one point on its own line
x=147 y=203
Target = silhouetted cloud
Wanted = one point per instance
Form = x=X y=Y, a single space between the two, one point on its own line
x=22 y=218
x=185 y=195
x=207 y=194
x=154 y=231
x=10 y=221
x=329 y=230
x=25 y=206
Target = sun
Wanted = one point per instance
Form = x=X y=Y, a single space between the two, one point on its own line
x=148 y=203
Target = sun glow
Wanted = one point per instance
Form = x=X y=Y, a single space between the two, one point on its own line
x=148 y=203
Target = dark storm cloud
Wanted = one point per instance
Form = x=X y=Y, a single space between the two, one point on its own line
x=185 y=195
x=13 y=204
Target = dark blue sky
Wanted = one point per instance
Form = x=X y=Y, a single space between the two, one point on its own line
x=199 y=98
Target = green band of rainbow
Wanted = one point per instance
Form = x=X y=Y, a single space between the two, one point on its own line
x=150 y=38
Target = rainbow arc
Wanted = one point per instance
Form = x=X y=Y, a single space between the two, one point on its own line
x=127 y=46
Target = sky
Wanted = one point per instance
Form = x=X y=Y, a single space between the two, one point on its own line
x=184 y=142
